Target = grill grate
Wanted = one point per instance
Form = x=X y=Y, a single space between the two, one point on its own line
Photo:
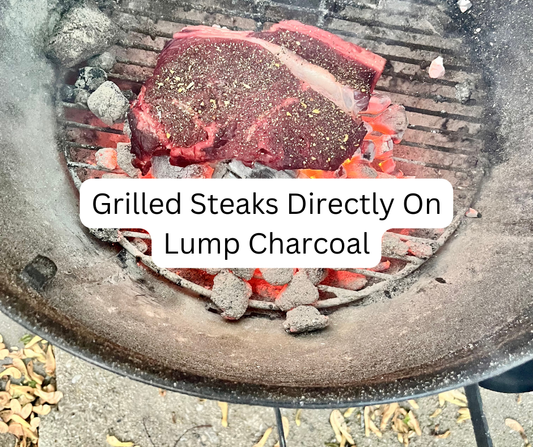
x=444 y=140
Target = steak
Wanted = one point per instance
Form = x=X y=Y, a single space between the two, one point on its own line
x=289 y=98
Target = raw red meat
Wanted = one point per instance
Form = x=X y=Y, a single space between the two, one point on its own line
x=288 y=98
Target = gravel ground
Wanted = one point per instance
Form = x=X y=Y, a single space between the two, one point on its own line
x=98 y=403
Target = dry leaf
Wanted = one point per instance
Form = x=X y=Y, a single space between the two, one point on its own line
x=11 y=371
x=5 y=397
x=42 y=410
x=369 y=424
x=264 y=438
x=297 y=417
x=413 y=404
x=19 y=420
x=162 y=393
x=387 y=414
x=51 y=398
x=224 y=408
x=114 y=442
x=413 y=423
x=333 y=420
x=50 y=364
x=454 y=397
x=35 y=422
x=349 y=412
x=37 y=378
x=34 y=340
x=4 y=353
x=31 y=354
x=516 y=426
x=443 y=435
x=338 y=423
x=3 y=427
x=436 y=413
x=16 y=429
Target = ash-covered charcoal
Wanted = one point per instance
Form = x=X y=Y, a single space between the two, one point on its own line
x=106 y=158
x=124 y=159
x=245 y=274
x=231 y=295
x=464 y=90
x=105 y=61
x=161 y=168
x=108 y=103
x=261 y=171
x=419 y=249
x=239 y=169
x=277 y=277
x=220 y=170
x=299 y=291
x=81 y=96
x=305 y=319
x=67 y=93
x=81 y=33
x=90 y=78
x=392 y=245
x=316 y=276
x=345 y=280
x=140 y=244
x=213 y=271
x=105 y=234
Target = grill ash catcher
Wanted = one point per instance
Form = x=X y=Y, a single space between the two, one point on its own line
x=452 y=308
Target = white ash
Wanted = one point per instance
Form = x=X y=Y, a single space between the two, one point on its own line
x=124 y=159
x=464 y=90
x=231 y=295
x=305 y=319
x=239 y=169
x=277 y=277
x=127 y=129
x=245 y=274
x=113 y=175
x=392 y=245
x=82 y=32
x=419 y=249
x=105 y=234
x=464 y=5
x=161 y=168
x=212 y=271
x=298 y=292
x=105 y=61
x=90 y=78
x=140 y=244
x=108 y=103
x=81 y=96
x=316 y=276
x=220 y=170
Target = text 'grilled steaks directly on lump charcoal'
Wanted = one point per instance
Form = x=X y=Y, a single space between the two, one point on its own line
x=292 y=97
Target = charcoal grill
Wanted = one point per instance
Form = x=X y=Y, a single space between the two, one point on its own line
x=409 y=334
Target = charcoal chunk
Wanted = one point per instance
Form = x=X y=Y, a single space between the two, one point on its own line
x=300 y=291
x=277 y=277
x=245 y=274
x=82 y=32
x=305 y=319
x=90 y=78
x=231 y=295
x=108 y=103
x=124 y=159
x=105 y=61
x=316 y=276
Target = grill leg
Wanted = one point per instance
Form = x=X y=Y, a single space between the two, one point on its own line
x=479 y=422
x=279 y=423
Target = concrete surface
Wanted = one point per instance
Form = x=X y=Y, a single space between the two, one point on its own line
x=98 y=403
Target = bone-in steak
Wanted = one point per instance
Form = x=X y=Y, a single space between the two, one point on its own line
x=288 y=98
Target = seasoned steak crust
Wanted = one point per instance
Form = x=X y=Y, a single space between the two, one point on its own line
x=288 y=98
